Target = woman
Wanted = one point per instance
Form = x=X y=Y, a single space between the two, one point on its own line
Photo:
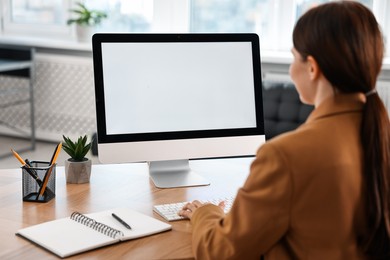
x=321 y=191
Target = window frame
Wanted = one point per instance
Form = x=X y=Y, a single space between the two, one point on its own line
x=10 y=28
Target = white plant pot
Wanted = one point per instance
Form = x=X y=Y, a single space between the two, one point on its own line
x=78 y=172
x=84 y=33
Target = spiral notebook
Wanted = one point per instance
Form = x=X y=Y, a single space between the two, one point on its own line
x=79 y=233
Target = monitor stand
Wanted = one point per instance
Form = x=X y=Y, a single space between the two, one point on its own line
x=173 y=174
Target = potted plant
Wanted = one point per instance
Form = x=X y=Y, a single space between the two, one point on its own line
x=85 y=19
x=78 y=167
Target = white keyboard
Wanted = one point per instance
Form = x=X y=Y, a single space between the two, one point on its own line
x=169 y=211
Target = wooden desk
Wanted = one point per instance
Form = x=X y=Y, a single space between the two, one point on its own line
x=119 y=185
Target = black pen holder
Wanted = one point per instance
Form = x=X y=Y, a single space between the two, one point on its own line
x=39 y=181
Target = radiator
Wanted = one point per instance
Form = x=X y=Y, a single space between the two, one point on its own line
x=383 y=88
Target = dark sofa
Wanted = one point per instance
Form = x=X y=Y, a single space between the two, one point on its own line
x=283 y=110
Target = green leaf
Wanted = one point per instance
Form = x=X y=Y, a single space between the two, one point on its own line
x=76 y=150
x=84 y=16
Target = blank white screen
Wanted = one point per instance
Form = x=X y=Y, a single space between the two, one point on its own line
x=164 y=87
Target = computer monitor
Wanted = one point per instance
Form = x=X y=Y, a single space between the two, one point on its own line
x=168 y=98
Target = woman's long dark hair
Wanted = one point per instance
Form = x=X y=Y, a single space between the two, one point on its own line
x=345 y=40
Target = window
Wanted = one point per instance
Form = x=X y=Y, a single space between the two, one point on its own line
x=143 y=15
x=227 y=15
x=264 y=17
x=35 y=17
x=273 y=20
x=304 y=5
x=43 y=12
x=125 y=15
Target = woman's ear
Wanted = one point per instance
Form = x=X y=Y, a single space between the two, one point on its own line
x=313 y=68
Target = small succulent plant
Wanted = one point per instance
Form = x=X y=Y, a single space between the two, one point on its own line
x=78 y=149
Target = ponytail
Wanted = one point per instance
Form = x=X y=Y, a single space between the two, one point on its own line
x=376 y=146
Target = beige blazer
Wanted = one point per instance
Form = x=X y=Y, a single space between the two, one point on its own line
x=303 y=198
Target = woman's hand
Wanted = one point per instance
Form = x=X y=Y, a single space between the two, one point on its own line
x=191 y=207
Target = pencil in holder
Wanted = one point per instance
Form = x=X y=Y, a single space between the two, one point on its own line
x=39 y=181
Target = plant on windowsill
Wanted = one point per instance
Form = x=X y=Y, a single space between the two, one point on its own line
x=78 y=167
x=85 y=19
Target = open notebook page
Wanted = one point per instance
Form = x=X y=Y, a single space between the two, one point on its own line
x=66 y=237
x=141 y=225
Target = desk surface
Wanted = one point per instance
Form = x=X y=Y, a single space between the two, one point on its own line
x=119 y=185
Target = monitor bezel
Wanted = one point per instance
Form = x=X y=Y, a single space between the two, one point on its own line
x=100 y=38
